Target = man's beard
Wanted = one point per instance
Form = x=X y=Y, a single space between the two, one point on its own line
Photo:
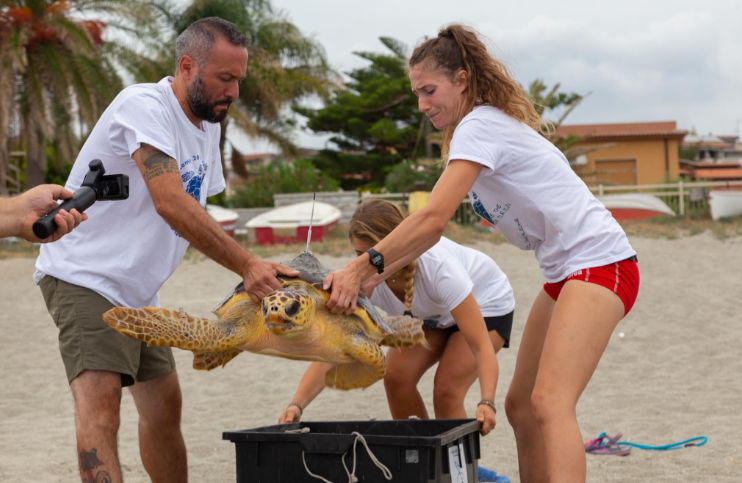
x=200 y=106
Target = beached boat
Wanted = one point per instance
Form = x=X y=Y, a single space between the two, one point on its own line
x=635 y=206
x=290 y=224
x=226 y=218
x=725 y=203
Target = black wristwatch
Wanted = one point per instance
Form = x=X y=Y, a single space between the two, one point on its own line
x=376 y=259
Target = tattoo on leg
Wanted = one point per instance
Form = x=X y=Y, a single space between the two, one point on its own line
x=156 y=162
x=88 y=462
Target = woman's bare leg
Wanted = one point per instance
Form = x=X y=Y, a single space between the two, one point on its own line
x=456 y=372
x=531 y=457
x=404 y=368
x=582 y=323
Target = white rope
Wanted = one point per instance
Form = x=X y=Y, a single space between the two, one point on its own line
x=351 y=474
x=310 y=473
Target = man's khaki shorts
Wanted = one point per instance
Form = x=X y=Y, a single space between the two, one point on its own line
x=86 y=342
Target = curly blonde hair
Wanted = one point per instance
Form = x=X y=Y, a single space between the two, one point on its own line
x=372 y=221
x=458 y=48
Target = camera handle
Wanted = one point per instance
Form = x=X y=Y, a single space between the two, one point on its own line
x=81 y=200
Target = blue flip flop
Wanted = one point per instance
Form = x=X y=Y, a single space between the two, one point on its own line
x=491 y=476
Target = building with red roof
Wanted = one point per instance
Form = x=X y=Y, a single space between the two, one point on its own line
x=624 y=154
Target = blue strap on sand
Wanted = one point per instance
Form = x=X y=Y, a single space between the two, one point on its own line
x=697 y=441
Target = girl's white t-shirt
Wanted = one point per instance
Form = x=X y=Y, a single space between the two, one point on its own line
x=529 y=192
x=445 y=275
x=125 y=251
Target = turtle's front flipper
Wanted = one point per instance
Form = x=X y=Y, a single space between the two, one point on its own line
x=206 y=361
x=406 y=332
x=162 y=327
x=370 y=366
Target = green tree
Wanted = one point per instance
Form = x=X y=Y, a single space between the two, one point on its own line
x=57 y=73
x=374 y=119
x=403 y=176
x=298 y=177
x=284 y=66
x=554 y=107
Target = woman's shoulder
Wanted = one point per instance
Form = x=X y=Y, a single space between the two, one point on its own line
x=486 y=114
x=487 y=124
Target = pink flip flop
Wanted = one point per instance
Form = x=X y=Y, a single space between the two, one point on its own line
x=605 y=445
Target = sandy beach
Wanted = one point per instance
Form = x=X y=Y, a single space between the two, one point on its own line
x=674 y=375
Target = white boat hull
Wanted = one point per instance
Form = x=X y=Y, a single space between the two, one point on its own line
x=725 y=204
x=227 y=219
x=290 y=224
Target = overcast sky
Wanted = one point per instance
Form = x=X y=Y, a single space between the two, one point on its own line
x=649 y=60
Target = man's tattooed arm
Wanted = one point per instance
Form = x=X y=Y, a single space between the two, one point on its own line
x=156 y=162
x=183 y=213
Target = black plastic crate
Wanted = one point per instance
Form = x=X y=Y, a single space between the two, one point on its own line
x=413 y=450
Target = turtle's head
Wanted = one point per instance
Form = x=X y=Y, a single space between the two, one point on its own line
x=287 y=312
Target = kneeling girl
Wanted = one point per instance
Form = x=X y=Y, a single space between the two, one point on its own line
x=467 y=305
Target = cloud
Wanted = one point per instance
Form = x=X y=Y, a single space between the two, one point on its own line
x=633 y=72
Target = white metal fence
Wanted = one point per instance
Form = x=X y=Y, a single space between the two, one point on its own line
x=683 y=198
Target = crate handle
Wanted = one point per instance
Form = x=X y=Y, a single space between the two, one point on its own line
x=351 y=474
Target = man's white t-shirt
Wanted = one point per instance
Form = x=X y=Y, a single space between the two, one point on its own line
x=125 y=251
x=528 y=191
x=445 y=275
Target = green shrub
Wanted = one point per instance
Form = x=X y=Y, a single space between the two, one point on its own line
x=299 y=177
x=403 y=177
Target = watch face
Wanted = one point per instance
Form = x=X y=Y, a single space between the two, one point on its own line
x=375 y=260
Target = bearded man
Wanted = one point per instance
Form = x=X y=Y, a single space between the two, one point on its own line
x=165 y=137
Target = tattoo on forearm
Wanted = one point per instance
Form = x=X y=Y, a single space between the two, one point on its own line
x=88 y=462
x=156 y=162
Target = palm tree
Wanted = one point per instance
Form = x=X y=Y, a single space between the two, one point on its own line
x=56 y=72
x=284 y=66
x=555 y=101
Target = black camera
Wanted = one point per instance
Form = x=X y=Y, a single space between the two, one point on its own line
x=95 y=187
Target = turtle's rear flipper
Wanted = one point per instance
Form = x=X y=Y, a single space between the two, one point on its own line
x=355 y=375
x=162 y=327
x=406 y=332
x=206 y=361
x=370 y=366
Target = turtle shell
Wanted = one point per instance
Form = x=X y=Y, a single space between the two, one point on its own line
x=314 y=273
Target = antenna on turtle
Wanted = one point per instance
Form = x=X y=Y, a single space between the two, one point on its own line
x=311 y=218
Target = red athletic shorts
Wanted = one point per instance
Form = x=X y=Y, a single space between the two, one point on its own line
x=622 y=278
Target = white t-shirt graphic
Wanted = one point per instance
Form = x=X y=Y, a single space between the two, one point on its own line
x=126 y=251
x=528 y=191
x=445 y=275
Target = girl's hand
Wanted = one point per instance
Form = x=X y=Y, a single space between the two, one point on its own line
x=486 y=417
x=345 y=284
x=290 y=415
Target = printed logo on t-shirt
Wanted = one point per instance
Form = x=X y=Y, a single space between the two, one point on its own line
x=193 y=179
x=497 y=213
x=479 y=209
x=526 y=241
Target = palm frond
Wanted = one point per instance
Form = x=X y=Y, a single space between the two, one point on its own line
x=399 y=48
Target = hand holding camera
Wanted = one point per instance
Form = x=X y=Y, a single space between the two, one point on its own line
x=95 y=187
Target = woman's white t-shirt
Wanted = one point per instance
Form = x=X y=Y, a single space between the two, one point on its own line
x=528 y=191
x=125 y=251
x=445 y=275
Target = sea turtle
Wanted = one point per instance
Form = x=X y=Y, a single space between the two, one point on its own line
x=291 y=322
